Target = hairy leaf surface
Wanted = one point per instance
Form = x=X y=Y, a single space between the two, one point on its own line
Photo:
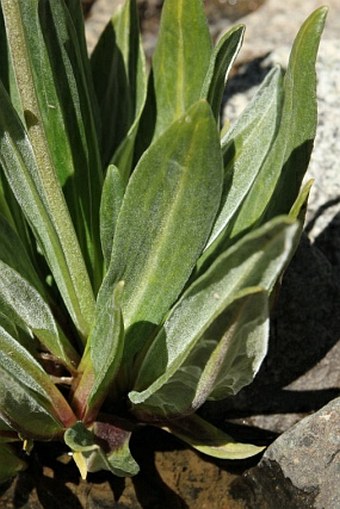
x=29 y=401
x=221 y=61
x=257 y=260
x=159 y=237
x=178 y=76
x=287 y=161
x=25 y=307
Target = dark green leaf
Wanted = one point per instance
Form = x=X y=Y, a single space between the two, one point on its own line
x=11 y=243
x=119 y=74
x=56 y=105
x=10 y=463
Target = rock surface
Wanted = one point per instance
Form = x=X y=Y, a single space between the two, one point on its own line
x=300 y=469
x=301 y=372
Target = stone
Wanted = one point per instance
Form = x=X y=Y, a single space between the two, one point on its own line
x=300 y=470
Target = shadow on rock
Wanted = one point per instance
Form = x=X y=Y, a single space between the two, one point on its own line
x=300 y=373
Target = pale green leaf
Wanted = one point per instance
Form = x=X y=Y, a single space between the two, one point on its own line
x=159 y=236
x=224 y=359
x=90 y=456
x=60 y=76
x=110 y=204
x=299 y=208
x=279 y=180
x=23 y=304
x=221 y=61
x=40 y=197
x=181 y=59
x=256 y=261
x=209 y=440
x=29 y=401
x=245 y=146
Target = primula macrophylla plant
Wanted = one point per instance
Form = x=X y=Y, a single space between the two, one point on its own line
x=139 y=243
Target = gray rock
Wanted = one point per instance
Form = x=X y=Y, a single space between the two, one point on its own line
x=301 y=372
x=300 y=470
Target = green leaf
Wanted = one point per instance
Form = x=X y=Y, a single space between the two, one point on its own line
x=110 y=204
x=10 y=464
x=244 y=152
x=278 y=183
x=102 y=357
x=241 y=349
x=207 y=439
x=119 y=74
x=223 y=359
x=26 y=308
x=11 y=243
x=38 y=193
x=29 y=401
x=61 y=77
x=299 y=208
x=88 y=452
x=181 y=59
x=256 y=261
x=159 y=238
x=221 y=61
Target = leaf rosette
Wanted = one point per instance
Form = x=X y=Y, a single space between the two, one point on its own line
x=140 y=242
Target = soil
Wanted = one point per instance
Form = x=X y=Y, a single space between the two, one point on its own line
x=171 y=477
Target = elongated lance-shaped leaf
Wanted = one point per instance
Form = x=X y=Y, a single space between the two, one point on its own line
x=110 y=204
x=159 y=237
x=119 y=74
x=63 y=90
x=221 y=61
x=207 y=439
x=29 y=168
x=299 y=208
x=39 y=195
x=10 y=464
x=29 y=401
x=101 y=358
x=224 y=358
x=22 y=303
x=181 y=59
x=257 y=260
x=243 y=152
x=11 y=243
x=279 y=180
